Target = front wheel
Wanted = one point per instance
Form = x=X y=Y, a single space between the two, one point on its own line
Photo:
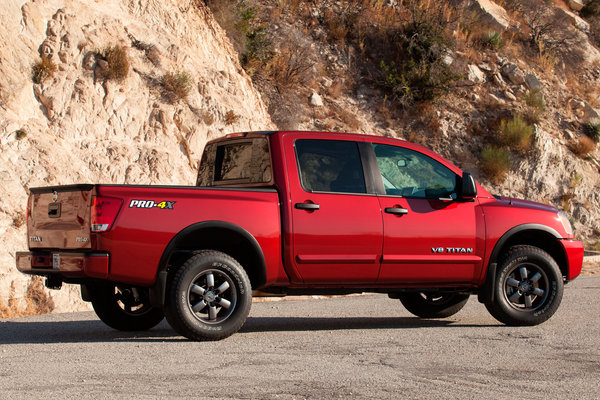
x=209 y=297
x=528 y=287
x=433 y=305
x=124 y=308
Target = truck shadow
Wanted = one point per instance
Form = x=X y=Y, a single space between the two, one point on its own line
x=22 y=331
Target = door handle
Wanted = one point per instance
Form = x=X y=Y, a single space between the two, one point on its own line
x=307 y=206
x=396 y=210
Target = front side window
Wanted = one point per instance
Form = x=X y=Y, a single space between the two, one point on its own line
x=330 y=166
x=408 y=173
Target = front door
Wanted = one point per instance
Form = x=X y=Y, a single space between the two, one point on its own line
x=430 y=235
x=337 y=227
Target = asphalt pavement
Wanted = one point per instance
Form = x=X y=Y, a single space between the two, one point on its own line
x=349 y=347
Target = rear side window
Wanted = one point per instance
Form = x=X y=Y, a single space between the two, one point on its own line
x=330 y=166
x=237 y=162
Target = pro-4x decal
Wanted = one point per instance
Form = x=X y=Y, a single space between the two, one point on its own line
x=164 y=205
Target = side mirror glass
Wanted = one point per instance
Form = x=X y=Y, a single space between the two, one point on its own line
x=468 y=189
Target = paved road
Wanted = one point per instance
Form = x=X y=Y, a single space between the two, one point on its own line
x=361 y=347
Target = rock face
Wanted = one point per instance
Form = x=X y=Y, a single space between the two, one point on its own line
x=493 y=14
x=76 y=127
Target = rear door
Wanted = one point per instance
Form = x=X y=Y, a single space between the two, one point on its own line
x=336 y=218
x=430 y=235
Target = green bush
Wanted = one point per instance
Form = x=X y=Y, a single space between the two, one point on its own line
x=535 y=98
x=20 y=134
x=176 y=86
x=43 y=69
x=495 y=163
x=494 y=40
x=516 y=134
x=118 y=63
x=410 y=56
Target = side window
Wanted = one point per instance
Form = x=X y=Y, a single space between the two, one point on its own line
x=409 y=173
x=330 y=166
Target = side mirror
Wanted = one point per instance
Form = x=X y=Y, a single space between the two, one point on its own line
x=468 y=188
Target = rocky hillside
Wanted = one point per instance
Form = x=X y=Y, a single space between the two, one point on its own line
x=129 y=92
x=79 y=123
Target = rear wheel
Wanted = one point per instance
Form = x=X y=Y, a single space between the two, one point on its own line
x=433 y=305
x=125 y=308
x=209 y=297
x=528 y=287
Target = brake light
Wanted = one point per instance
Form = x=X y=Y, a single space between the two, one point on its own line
x=104 y=212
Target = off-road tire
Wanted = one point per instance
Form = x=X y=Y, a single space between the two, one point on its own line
x=119 y=308
x=196 y=306
x=528 y=288
x=433 y=305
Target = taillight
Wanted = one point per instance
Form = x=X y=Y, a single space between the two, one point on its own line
x=104 y=212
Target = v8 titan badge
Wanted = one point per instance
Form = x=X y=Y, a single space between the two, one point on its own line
x=163 y=205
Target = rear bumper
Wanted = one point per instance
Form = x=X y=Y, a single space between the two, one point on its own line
x=68 y=265
x=574 y=253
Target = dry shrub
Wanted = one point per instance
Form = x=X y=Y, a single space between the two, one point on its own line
x=583 y=147
x=231 y=117
x=153 y=54
x=176 y=86
x=291 y=67
x=117 y=66
x=336 y=89
x=516 y=133
x=338 y=24
x=565 y=201
x=36 y=299
x=19 y=220
x=349 y=119
x=207 y=117
x=43 y=69
x=495 y=162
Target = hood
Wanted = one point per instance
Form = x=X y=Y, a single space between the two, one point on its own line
x=526 y=204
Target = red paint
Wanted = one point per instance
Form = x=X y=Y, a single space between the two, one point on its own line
x=350 y=241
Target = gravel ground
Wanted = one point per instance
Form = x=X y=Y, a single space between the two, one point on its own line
x=361 y=347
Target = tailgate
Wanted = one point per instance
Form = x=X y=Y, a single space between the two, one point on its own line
x=58 y=217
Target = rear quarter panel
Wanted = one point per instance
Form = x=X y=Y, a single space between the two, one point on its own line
x=140 y=235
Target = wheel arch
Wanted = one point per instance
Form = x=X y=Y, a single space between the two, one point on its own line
x=221 y=236
x=537 y=235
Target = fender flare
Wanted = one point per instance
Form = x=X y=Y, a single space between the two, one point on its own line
x=486 y=292
x=158 y=291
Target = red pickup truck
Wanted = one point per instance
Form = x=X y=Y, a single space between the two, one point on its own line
x=297 y=213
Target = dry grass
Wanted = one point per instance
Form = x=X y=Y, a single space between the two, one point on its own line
x=495 y=163
x=37 y=301
x=42 y=70
x=583 y=147
x=516 y=133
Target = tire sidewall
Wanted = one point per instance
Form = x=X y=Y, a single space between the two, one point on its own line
x=555 y=286
x=196 y=265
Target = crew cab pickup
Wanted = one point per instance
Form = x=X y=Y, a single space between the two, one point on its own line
x=296 y=213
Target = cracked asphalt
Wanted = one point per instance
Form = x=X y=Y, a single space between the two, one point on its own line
x=360 y=347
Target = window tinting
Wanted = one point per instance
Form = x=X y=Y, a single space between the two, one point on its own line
x=236 y=162
x=409 y=173
x=330 y=166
